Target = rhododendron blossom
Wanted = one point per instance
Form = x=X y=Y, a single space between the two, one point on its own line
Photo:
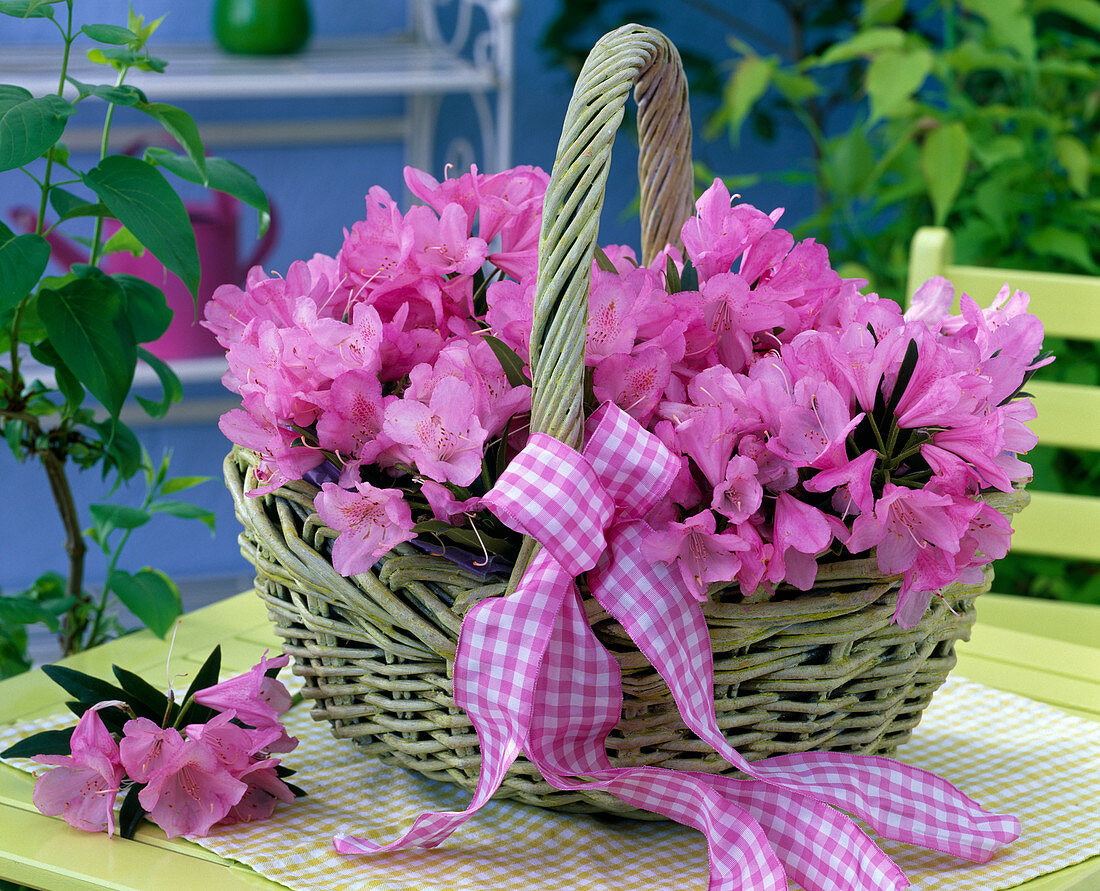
x=813 y=422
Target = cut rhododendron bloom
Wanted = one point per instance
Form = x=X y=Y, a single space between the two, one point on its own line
x=82 y=786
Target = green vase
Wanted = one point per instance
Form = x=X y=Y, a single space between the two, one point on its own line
x=261 y=27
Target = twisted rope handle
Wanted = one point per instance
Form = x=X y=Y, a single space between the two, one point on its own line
x=632 y=56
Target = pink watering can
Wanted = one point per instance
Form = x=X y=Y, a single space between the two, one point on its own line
x=216 y=227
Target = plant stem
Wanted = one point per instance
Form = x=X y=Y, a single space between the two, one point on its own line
x=104 y=147
x=72 y=628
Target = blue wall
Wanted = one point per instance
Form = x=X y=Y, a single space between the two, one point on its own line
x=319 y=191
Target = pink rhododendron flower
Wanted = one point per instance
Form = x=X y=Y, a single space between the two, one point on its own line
x=263 y=792
x=82 y=786
x=443 y=438
x=256 y=700
x=147 y=748
x=701 y=555
x=191 y=792
x=370 y=522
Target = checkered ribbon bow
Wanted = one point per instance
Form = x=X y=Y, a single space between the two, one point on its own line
x=533 y=677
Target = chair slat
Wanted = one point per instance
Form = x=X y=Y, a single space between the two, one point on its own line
x=1059 y=525
x=1069 y=415
x=1069 y=305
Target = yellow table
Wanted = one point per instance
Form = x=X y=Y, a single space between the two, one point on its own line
x=1045 y=651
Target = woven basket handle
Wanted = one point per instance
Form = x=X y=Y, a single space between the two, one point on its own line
x=631 y=56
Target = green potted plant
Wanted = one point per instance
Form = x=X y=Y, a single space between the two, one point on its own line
x=69 y=342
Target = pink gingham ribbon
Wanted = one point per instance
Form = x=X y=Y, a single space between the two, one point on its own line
x=532 y=677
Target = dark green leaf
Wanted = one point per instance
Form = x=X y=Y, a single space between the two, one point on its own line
x=150 y=595
x=23 y=259
x=67 y=383
x=672 y=277
x=86 y=322
x=131 y=812
x=864 y=43
x=146 y=307
x=30 y=127
x=45 y=742
x=17 y=610
x=68 y=206
x=182 y=127
x=689 y=276
x=206 y=676
x=171 y=387
x=123 y=94
x=145 y=699
x=185 y=510
x=88 y=690
x=475 y=542
x=143 y=201
x=1065 y=244
x=113 y=34
x=509 y=361
x=222 y=175
x=602 y=260
x=12 y=95
x=122 y=447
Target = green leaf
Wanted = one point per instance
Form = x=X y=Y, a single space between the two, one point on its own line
x=45 y=742
x=146 y=307
x=12 y=95
x=123 y=240
x=143 y=201
x=184 y=510
x=86 y=323
x=123 y=94
x=67 y=382
x=1074 y=156
x=602 y=260
x=943 y=161
x=222 y=175
x=1009 y=24
x=182 y=127
x=28 y=9
x=672 y=276
x=893 y=77
x=150 y=595
x=18 y=610
x=181 y=483
x=131 y=812
x=122 y=447
x=23 y=260
x=171 y=388
x=30 y=127
x=112 y=34
x=751 y=79
x=880 y=12
x=1087 y=12
x=864 y=43
x=509 y=361
x=1064 y=244
x=796 y=88
x=88 y=690
x=108 y=517
x=67 y=205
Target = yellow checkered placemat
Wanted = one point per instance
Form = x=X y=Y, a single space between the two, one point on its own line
x=1037 y=763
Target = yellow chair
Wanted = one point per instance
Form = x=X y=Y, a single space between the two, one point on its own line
x=1054 y=524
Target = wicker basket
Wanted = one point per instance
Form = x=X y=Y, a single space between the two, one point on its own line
x=824 y=670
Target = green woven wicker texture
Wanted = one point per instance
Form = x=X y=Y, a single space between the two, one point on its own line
x=824 y=670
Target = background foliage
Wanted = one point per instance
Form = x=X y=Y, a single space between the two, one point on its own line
x=979 y=115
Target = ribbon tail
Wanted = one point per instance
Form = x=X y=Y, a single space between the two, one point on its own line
x=512 y=631
x=578 y=700
x=897 y=801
